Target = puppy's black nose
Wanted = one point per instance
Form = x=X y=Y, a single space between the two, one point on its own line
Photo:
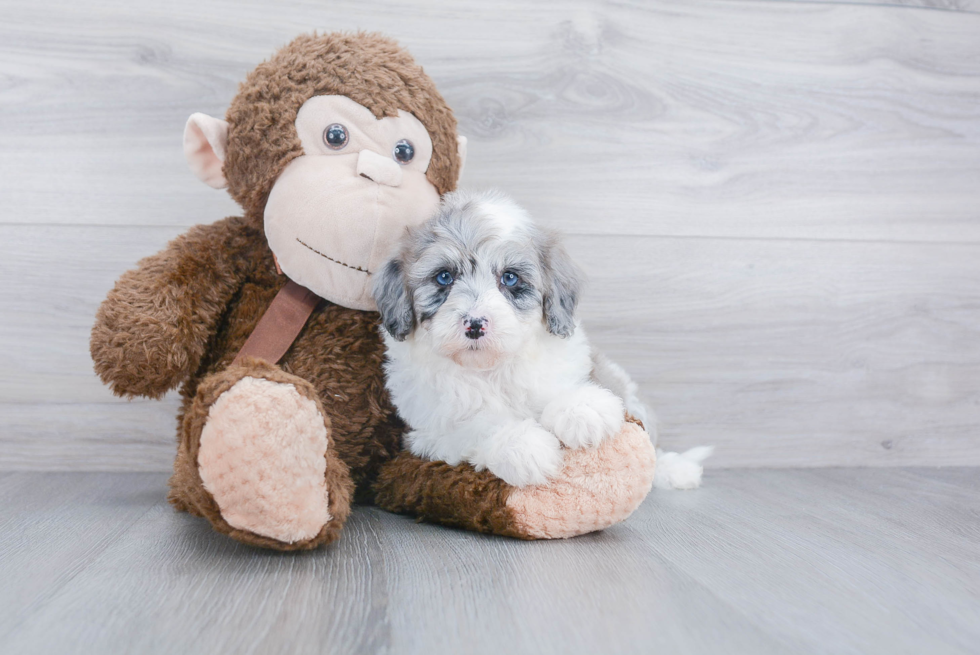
x=474 y=328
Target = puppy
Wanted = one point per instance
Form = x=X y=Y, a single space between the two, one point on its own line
x=485 y=359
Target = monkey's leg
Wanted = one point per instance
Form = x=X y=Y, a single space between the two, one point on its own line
x=257 y=460
x=597 y=488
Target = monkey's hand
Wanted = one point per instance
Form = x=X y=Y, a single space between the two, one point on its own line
x=151 y=330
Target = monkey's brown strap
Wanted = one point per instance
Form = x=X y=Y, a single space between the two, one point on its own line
x=281 y=323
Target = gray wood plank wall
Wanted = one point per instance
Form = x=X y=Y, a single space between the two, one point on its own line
x=778 y=203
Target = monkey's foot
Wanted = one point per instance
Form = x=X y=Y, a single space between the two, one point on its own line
x=597 y=488
x=264 y=459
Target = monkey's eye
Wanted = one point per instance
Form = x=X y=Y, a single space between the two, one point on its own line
x=335 y=136
x=509 y=279
x=444 y=278
x=404 y=151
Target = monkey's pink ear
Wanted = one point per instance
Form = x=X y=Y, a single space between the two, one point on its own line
x=205 y=139
x=461 y=148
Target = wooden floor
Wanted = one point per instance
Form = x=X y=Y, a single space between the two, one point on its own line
x=759 y=561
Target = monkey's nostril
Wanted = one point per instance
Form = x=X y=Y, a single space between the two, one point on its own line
x=378 y=169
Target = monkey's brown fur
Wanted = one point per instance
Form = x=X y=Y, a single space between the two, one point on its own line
x=183 y=314
x=458 y=496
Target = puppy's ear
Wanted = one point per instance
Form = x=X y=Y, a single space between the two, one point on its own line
x=393 y=301
x=562 y=280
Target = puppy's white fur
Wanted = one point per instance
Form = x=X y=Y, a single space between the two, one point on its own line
x=508 y=400
x=509 y=418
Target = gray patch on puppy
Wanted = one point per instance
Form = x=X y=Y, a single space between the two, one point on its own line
x=394 y=303
x=476 y=240
x=562 y=285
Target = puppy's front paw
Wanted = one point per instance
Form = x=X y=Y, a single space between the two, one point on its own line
x=584 y=417
x=522 y=454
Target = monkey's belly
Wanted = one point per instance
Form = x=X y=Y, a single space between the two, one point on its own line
x=340 y=352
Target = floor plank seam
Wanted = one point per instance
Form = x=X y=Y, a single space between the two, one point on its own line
x=64 y=584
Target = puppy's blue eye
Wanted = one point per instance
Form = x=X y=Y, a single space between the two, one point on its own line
x=445 y=278
x=509 y=279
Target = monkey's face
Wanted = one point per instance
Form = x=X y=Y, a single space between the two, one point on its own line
x=335 y=212
x=303 y=152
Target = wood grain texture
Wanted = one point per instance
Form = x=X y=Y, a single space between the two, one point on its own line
x=53 y=526
x=959 y=6
x=779 y=352
x=777 y=561
x=681 y=118
x=967 y=6
x=777 y=202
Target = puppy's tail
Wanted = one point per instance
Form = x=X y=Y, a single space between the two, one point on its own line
x=681 y=470
x=674 y=470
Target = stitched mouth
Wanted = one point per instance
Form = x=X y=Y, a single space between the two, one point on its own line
x=335 y=261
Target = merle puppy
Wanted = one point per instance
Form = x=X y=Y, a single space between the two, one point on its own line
x=486 y=360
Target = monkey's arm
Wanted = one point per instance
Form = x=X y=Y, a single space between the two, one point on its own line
x=596 y=488
x=151 y=330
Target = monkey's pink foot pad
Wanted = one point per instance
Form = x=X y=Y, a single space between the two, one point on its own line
x=597 y=488
x=263 y=459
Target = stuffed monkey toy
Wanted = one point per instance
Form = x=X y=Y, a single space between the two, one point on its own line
x=266 y=322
